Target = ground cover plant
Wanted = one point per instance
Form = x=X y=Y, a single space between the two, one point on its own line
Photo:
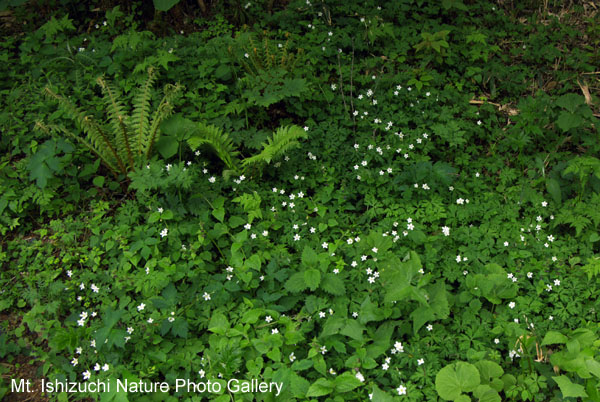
x=303 y=200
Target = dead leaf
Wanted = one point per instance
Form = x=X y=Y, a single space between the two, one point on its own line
x=586 y=93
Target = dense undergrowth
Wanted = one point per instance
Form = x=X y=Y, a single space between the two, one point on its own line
x=394 y=200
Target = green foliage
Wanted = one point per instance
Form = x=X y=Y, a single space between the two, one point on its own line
x=434 y=237
x=126 y=143
x=284 y=139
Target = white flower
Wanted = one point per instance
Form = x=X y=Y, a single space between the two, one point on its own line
x=350 y=241
x=496 y=341
x=296 y=237
x=201 y=373
x=458 y=258
x=359 y=376
x=446 y=230
x=129 y=330
x=420 y=361
x=74 y=362
x=385 y=366
x=268 y=319
x=333 y=87
x=164 y=232
x=322 y=314
x=511 y=304
x=323 y=350
x=150 y=320
x=274 y=331
x=374 y=249
x=292 y=357
x=544 y=204
x=401 y=390
x=212 y=179
x=325 y=245
x=87 y=375
x=556 y=282
x=141 y=307
x=430 y=327
x=247 y=226
x=265 y=233
x=305 y=128
x=354 y=314
x=206 y=296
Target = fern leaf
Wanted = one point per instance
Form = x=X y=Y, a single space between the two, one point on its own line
x=283 y=139
x=116 y=114
x=220 y=142
x=140 y=120
x=96 y=137
x=163 y=111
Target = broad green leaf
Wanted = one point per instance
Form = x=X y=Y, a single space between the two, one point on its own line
x=568 y=388
x=319 y=388
x=553 y=337
x=167 y=146
x=164 y=5
x=312 y=278
x=309 y=256
x=553 y=188
x=333 y=284
x=567 y=121
x=296 y=283
x=570 y=102
x=456 y=378
x=346 y=382
x=218 y=324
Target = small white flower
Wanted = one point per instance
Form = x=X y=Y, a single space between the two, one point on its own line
x=511 y=304
x=274 y=331
x=420 y=361
x=206 y=296
x=325 y=245
x=292 y=357
x=401 y=390
x=141 y=307
x=268 y=319
x=87 y=375
x=164 y=232
x=359 y=376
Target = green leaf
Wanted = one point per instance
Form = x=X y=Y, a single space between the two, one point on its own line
x=312 y=278
x=296 y=283
x=554 y=337
x=98 y=181
x=553 y=188
x=346 y=382
x=567 y=121
x=353 y=329
x=568 y=388
x=164 y=5
x=570 y=102
x=333 y=284
x=180 y=328
x=319 y=388
x=309 y=257
x=218 y=324
x=167 y=146
x=456 y=378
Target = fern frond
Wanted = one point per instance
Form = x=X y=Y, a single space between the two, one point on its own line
x=163 y=111
x=117 y=118
x=96 y=137
x=140 y=119
x=220 y=142
x=283 y=139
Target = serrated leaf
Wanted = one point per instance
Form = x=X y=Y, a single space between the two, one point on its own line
x=333 y=284
x=312 y=278
x=296 y=283
x=319 y=388
x=180 y=328
x=346 y=382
